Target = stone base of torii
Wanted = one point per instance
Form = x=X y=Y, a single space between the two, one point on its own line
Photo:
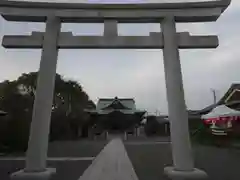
x=167 y=14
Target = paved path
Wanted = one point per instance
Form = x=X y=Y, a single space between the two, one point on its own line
x=111 y=164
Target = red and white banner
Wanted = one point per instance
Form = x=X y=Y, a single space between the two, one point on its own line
x=221 y=119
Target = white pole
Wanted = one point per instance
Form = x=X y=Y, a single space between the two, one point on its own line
x=38 y=140
x=181 y=147
x=138 y=131
x=125 y=135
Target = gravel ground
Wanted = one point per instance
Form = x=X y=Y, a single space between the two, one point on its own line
x=219 y=163
x=75 y=148
x=132 y=139
x=150 y=159
x=66 y=170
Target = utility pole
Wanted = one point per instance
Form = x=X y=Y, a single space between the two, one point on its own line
x=157 y=112
x=214 y=96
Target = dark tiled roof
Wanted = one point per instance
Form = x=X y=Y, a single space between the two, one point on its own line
x=111 y=99
x=230 y=90
x=220 y=102
x=129 y=103
x=109 y=105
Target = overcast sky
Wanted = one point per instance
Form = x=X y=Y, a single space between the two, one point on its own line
x=138 y=74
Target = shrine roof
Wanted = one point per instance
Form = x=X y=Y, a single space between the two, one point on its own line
x=105 y=112
x=127 y=103
x=109 y=105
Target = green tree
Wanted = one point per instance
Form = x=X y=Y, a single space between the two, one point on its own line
x=17 y=98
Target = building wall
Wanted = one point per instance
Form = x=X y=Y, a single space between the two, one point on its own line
x=154 y=127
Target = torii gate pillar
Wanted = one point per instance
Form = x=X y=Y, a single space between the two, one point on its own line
x=181 y=147
x=38 y=139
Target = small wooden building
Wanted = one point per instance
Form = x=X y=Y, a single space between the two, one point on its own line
x=157 y=126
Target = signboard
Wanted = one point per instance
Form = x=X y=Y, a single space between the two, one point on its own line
x=114 y=1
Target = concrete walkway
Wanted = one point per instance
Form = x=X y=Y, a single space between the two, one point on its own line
x=112 y=163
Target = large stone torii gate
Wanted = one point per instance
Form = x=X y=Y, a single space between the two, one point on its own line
x=166 y=14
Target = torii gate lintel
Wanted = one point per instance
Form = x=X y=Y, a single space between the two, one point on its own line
x=68 y=41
